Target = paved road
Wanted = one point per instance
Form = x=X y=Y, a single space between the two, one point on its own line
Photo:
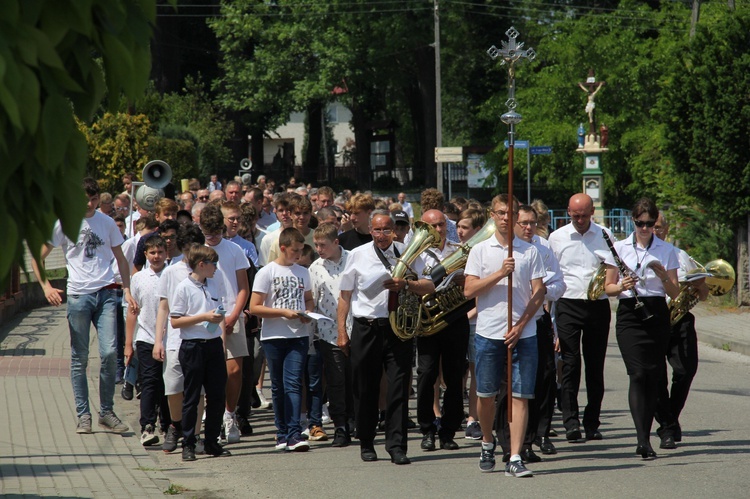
x=40 y=455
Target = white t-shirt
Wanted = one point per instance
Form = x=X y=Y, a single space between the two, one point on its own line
x=638 y=258
x=143 y=287
x=231 y=259
x=192 y=298
x=284 y=287
x=486 y=258
x=89 y=257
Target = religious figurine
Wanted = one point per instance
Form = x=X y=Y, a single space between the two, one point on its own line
x=581 y=135
x=591 y=87
x=604 y=133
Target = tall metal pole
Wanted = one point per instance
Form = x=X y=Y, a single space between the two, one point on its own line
x=528 y=174
x=511 y=52
x=438 y=100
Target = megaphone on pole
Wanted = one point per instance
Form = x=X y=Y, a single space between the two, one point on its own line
x=157 y=174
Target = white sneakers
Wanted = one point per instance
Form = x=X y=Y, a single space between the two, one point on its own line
x=231 y=429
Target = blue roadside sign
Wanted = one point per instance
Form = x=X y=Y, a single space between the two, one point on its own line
x=519 y=144
x=541 y=150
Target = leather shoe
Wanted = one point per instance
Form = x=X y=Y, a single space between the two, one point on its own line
x=399 y=457
x=428 y=442
x=645 y=451
x=215 y=450
x=573 y=435
x=448 y=444
x=667 y=442
x=593 y=435
x=529 y=456
x=368 y=454
x=547 y=447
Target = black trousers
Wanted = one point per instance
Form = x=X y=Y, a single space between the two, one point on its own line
x=203 y=366
x=338 y=371
x=543 y=405
x=582 y=327
x=643 y=345
x=153 y=400
x=446 y=348
x=682 y=355
x=374 y=347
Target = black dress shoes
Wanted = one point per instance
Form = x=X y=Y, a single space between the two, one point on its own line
x=667 y=442
x=547 y=447
x=529 y=456
x=448 y=444
x=428 y=442
x=593 y=435
x=215 y=450
x=368 y=454
x=645 y=451
x=573 y=435
x=399 y=457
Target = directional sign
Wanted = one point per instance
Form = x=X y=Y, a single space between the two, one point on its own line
x=541 y=150
x=519 y=144
x=449 y=154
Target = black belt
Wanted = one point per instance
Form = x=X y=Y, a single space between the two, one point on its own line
x=201 y=340
x=380 y=321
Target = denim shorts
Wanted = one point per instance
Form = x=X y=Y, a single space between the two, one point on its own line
x=472 y=351
x=490 y=366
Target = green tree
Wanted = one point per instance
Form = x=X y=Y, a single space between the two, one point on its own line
x=57 y=57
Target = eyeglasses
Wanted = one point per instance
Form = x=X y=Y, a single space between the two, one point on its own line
x=527 y=224
x=501 y=213
x=644 y=223
x=214 y=262
x=385 y=232
x=203 y=198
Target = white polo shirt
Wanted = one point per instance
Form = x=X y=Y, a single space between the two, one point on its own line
x=362 y=263
x=143 y=287
x=576 y=254
x=192 y=298
x=638 y=258
x=486 y=258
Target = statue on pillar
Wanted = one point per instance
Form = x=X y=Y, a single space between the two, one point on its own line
x=591 y=87
x=604 y=135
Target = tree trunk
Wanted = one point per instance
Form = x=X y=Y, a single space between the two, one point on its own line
x=743 y=264
x=425 y=130
x=694 y=17
x=362 y=151
x=311 y=164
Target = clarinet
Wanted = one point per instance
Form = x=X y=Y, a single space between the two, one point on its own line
x=626 y=271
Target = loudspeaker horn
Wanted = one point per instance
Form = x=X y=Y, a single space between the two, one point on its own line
x=246 y=164
x=157 y=174
x=147 y=197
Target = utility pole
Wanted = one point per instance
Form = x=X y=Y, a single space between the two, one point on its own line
x=438 y=100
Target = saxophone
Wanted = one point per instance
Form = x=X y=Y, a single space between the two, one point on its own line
x=720 y=277
x=405 y=320
x=448 y=302
x=596 y=286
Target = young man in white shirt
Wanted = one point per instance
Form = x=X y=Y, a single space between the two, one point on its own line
x=487 y=273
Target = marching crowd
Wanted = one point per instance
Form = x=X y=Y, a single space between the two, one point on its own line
x=341 y=295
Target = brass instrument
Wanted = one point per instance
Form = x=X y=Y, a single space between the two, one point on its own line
x=720 y=277
x=596 y=286
x=405 y=320
x=448 y=303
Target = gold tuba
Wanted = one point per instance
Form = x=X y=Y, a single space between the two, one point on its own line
x=405 y=320
x=720 y=277
x=447 y=304
x=596 y=286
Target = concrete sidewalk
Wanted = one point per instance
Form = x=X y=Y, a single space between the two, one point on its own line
x=41 y=455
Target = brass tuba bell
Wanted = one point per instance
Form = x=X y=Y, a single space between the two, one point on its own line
x=720 y=278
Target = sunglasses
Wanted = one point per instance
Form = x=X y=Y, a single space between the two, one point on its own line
x=203 y=198
x=644 y=223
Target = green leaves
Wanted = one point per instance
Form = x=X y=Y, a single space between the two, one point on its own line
x=48 y=75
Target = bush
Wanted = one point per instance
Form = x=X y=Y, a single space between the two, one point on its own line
x=386 y=183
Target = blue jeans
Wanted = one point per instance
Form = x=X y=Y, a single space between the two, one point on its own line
x=286 y=362
x=83 y=310
x=315 y=387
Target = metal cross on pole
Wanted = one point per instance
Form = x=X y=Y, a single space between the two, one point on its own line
x=511 y=52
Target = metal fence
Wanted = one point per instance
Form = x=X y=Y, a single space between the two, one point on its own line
x=618 y=220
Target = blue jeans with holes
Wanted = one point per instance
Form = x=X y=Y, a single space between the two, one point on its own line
x=84 y=310
x=286 y=363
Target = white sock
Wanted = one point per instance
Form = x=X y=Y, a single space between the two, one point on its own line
x=515 y=457
x=228 y=415
x=488 y=445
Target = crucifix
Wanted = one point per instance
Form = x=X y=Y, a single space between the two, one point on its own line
x=591 y=87
x=511 y=52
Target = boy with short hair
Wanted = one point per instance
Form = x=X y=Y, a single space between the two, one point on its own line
x=325 y=274
x=280 y=292
x=141 y=327
x=194 y=309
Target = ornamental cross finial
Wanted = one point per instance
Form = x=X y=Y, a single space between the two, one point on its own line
x=511 y=52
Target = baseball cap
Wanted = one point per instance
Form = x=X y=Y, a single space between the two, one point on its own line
x=400 y=216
